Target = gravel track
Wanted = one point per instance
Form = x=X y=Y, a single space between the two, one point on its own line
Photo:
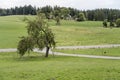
x=73 y=47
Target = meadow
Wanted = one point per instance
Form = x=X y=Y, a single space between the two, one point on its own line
x=36 y=67
x=68 y=33
x=99 y=51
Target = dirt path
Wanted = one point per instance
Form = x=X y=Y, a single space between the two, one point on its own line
x=78 y=55
x=73 y=47
x=8 y=50
x=88 y=47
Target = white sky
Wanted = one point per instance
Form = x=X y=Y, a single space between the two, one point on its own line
x=79 y=4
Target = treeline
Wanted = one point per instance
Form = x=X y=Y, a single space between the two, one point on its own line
x=64 y=13
x=25 y=10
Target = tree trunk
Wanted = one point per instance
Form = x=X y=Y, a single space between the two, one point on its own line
x=47 y=51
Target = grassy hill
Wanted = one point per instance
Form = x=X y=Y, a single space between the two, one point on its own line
x=36 y=67
x=68 y=33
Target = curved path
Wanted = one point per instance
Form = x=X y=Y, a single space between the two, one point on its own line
x=77 y=55
x=73 y=47
x=89 y=47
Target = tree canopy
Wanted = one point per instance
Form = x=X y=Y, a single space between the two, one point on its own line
x=81 y=17
x=118 y=22
x=39 y=36
x=63 y=12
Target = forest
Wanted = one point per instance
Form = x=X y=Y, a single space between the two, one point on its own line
x=64 y=12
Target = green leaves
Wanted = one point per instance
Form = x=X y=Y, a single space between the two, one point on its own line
x=118 y=22
x=39 y=36
x=81 y=17
x=25 y=44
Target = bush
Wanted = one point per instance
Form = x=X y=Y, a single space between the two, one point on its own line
x=118 y=22
x=105 y=23
x=112 y=24
x=81 y=17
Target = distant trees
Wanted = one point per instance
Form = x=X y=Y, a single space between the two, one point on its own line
x=81 y=17
x=118 y=22
x=47 y=10
x=39 y=36
x=101 y=14
x=73 y=12
x=64 y=13
x=25 y=10
x=112 y=24
x=57 y=20
x=105 y=23
x=3 y=12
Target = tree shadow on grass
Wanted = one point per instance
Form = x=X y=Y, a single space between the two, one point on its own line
x=14 y=57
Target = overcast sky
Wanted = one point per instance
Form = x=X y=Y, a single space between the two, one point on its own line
x=79 y=4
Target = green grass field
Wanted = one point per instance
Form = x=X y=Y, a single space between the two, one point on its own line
x=11 y=28
x=86 y=35
x=99 y=51
x=37 y=67
x=69 y=33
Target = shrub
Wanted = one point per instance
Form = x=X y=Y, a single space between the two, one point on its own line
x=105 y=23
x=112 y=24
x=81 y=17
x=118 y=22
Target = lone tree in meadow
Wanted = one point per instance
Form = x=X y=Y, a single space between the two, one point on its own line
x=39 y=36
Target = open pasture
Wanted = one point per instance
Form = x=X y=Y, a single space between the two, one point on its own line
x=36 y=67
x=68 y=33
x=99 y=51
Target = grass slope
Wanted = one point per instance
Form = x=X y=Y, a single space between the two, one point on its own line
x=69 y=33
x=86 y=35
x=57 y=68
x=11 y=28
